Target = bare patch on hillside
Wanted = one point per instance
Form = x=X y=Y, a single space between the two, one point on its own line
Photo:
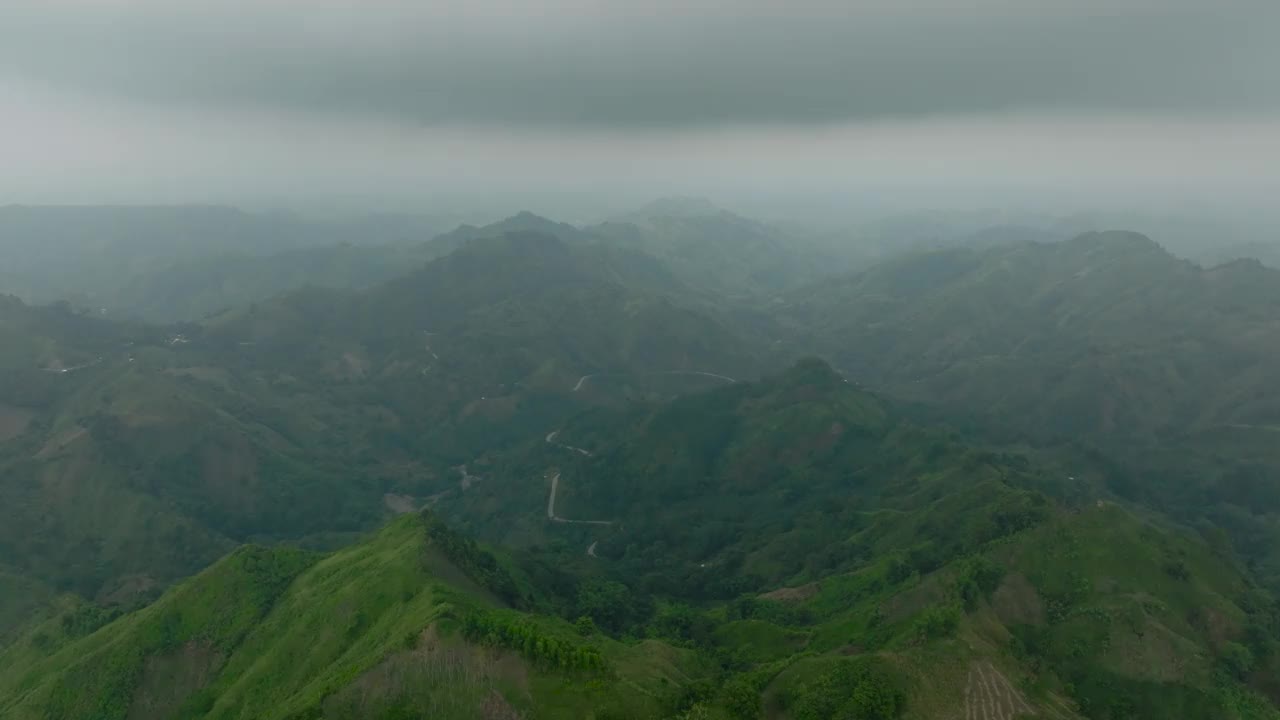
x=125 y=590
x=931 y=591
x=792 y=594
x=440 y=677
x=1152 y=651
x=1016 y=601
x=1215 y=624
x=13 y=421
x=168 y=680
x=990 y=696
x=496 y=707
x=354 y=365
x=400 y=504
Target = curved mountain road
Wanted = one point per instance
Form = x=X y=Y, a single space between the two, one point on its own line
x=551 y=507
x=551 y=438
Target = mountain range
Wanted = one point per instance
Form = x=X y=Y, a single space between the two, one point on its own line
x=676 y=465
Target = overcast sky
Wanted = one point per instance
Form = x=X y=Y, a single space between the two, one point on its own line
x=197 y=100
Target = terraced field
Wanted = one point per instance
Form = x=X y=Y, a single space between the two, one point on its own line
x=990 y=696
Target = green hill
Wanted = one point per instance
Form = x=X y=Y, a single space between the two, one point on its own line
x=518 y=309
x=672 y=537
x=316 y=415
x=1103 y=334
x=864 y=535
x=1151 y=375
x=523 y=222
x=384 y=629
x=866 y=567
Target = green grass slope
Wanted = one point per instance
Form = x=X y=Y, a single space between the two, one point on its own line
x=392 y=627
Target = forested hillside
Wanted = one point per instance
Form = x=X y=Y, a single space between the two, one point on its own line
x=1155 y=372
x=1027 y=478
x=928 y=575
x=940 y=381
x=400 y=625
x=135 y=455
x=1105 y=333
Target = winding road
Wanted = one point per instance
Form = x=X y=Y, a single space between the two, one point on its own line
x=551 y=438
x=555 y=487
x=551 y=507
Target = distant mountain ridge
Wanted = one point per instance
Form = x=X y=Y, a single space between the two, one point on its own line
x=169 y=263
x=1090 y=327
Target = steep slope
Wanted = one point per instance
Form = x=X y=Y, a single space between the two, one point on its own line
x=388 y=628
x=21 y=599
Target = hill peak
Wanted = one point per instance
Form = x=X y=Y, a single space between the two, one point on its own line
x=528 y=216
x=523 y=222
x=1118 y=239
x=812 y=370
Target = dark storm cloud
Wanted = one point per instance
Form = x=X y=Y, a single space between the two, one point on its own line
x=627 y=65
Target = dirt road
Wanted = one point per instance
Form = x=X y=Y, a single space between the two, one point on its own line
x=551 y=507
x=551 y=438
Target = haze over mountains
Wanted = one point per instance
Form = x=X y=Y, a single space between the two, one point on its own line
x=725 y=469
x=383 y=360
x=180 y=263
x=167 y=264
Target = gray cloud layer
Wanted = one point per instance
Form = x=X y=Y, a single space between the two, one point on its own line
x=641 y=65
